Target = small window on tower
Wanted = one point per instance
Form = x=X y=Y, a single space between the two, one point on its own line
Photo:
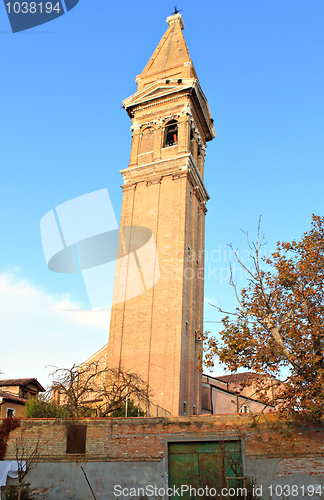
x=192 y=142
x=187 y=327
x=171 y=133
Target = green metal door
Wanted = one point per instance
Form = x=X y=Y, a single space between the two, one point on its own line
x=203 y=466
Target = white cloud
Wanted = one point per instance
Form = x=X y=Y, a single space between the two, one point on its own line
x=37 y=330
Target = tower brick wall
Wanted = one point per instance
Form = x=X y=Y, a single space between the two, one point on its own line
x=155 y=333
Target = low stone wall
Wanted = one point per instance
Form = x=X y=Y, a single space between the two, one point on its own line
x=133 y=453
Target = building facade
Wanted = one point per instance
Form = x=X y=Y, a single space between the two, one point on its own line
x=240 y=393
x=14 y=393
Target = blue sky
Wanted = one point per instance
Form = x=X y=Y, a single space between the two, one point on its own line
x=64 y=134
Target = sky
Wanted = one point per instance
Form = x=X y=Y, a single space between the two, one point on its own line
x=63 y=134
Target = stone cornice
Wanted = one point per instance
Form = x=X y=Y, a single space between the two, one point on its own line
x=153 y=173
x=157 y=92
x=157 y=102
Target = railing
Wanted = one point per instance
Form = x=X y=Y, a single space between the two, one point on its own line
x=153 y=410
x=149 y=409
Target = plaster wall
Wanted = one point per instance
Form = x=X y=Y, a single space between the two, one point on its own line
x=66 y=481
x=281 y=478
x=19 y=409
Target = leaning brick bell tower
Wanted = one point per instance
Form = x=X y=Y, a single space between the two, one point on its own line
x=156 y=333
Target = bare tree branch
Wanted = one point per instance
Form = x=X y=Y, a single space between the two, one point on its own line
x=95 y=389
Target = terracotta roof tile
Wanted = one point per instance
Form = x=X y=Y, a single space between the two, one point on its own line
x=12 y=398
x=241 y=377
x=20 y=382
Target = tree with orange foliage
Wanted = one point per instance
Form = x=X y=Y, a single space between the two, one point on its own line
x=279 y=321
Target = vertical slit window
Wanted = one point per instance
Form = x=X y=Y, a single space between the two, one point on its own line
x=192 y=142
x=147 y=140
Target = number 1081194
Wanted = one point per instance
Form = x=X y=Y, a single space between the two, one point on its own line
x=32 y=7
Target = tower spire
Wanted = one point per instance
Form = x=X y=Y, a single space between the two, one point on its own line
x=171 y=57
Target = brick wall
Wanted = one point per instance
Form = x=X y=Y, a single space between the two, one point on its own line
x=133 y=451
x=143 y=439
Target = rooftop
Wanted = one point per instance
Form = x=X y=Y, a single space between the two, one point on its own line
x=10 y=397
x=21 y=382
x=239 y=377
